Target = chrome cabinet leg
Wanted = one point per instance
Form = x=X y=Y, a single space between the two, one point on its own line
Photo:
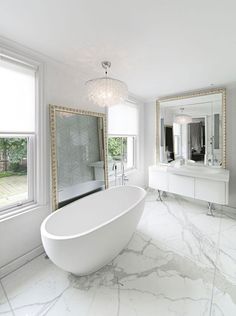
x=159 y=198
x=164 y=194
x=211 y=208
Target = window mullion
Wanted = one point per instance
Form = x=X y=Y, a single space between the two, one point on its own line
x=31 y=168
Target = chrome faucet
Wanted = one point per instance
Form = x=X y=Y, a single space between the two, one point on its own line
x=114 y=168
x=124 y=177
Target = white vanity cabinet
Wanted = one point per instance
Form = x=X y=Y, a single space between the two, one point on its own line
x=181 y=185
x=201 y=183
x=211 y=191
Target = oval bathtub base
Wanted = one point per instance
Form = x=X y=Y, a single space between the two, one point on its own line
x=87 y=234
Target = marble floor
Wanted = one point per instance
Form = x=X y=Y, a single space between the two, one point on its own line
x=179 y=262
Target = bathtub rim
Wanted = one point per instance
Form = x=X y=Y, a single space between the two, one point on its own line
x=45 y=233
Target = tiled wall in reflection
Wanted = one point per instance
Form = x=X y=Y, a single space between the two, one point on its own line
x=77 y=147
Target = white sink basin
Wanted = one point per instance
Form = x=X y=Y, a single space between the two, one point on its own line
x=218 y=174
x=202 y=169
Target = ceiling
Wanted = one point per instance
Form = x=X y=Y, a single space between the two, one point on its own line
x=158 y=47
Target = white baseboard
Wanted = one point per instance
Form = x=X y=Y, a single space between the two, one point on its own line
x=19 y=262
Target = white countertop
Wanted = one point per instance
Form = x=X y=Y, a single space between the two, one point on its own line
x=204 y=172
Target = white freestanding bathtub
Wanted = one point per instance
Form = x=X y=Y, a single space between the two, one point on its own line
x=83 y=236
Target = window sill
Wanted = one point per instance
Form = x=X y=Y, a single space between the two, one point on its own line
x=13 y=212
x=119 y=175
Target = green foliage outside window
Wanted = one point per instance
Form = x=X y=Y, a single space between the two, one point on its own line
x=115 y=147
x=12 y=152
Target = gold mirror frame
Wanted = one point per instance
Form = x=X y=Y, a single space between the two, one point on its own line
x=54 y=176
x=192 y=95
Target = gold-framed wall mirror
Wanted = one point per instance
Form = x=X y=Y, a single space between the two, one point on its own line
x=192 y=127
x=78 y=154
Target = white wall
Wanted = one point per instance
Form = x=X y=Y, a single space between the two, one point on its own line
x=149 y=136
x=20 y=234
x=231 y=140
x=150 y=139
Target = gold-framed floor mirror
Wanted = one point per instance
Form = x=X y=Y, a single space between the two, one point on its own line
x=78 y=154
x=192 y=127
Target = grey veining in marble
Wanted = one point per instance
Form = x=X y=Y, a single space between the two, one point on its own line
x=179 y=262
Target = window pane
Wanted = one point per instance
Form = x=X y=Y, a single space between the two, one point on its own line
x=17 y=98
x=121 y=151
x=130 y=153
x=115 y=148
x=13 y=170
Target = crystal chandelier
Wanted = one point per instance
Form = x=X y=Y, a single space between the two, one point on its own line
x=106 y=91
x=183 y=118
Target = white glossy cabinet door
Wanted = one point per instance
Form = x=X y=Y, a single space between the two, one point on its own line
x=211 y=191
x=158 y=180
x=181 y=185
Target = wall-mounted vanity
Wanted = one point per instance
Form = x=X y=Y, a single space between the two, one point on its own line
x=191 y=140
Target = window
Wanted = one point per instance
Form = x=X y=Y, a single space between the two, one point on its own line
x=17 y=132
x=122 y=137
x=121 y=152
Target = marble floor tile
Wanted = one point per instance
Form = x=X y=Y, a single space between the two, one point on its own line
x=224 y=298
x=224 y=295
x=35 y=286
x=226 y=262
x=182 y=225
x=5 y=308
x=175 y=265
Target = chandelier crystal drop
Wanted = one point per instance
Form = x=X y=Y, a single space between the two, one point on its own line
x=106 y=91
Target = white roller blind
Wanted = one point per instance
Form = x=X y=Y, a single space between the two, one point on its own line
x=17 y=98
x=123 y=119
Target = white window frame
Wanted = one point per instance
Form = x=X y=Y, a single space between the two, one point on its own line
x=30 y=169
x=37 y=144
x=135 y=137
x=136 y=140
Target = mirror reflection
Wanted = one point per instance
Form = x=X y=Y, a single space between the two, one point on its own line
x=79 y=147
x=191 y=129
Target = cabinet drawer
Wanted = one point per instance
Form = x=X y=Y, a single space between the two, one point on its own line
x=158 y=180
x=181 y=185
x=210 y=191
